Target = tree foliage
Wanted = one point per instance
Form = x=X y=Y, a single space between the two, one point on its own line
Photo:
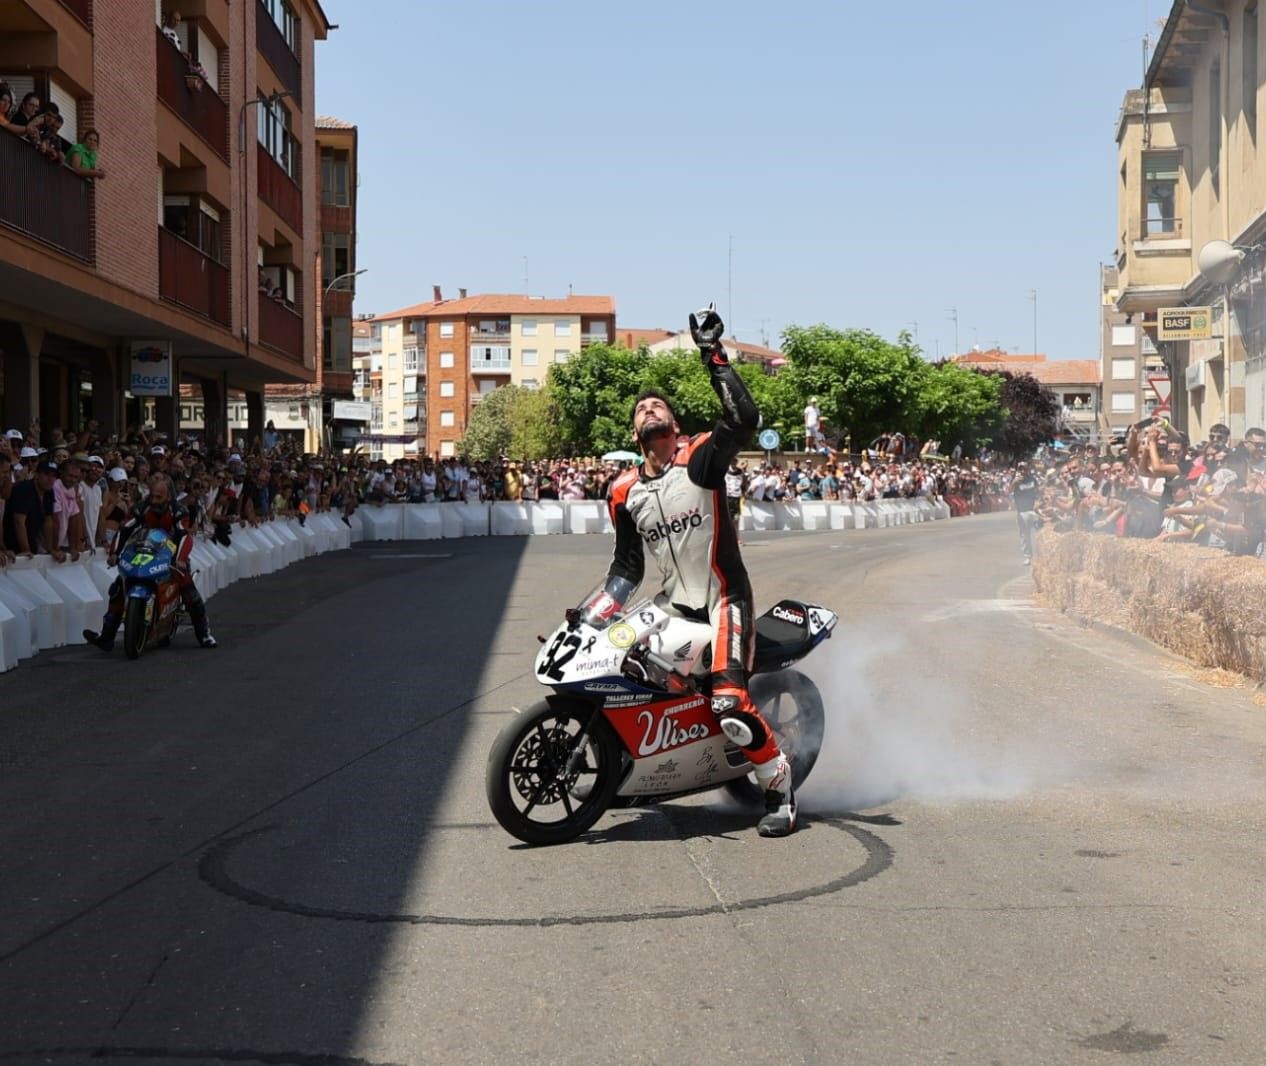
x=534 y=429
x=489 y=429
x=1030 y=414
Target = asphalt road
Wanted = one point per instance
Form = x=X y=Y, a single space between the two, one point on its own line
x=1026 y=842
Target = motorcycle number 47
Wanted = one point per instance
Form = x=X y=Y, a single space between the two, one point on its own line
x=561 y=651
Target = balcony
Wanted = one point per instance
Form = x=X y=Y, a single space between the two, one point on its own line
x=81 y=9
x=201 y=110
x=273 y=47
x=490 y=360
x=278 y=190
x=280 y=328
x=1080 y=415
x=49 y=203
x=192 y=279
x=594 y=338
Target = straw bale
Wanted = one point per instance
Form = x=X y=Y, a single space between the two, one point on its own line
x=1201 y=603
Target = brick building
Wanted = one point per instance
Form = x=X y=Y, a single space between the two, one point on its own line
x=440 y=358
x=209 y=198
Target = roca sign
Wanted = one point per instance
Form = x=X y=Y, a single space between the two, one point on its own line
x=150 y=368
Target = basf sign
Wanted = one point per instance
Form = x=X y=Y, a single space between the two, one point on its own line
x=151 y=368
x=1184 y=323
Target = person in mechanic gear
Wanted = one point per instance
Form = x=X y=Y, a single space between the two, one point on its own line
x=159 y=510
x=674 y=506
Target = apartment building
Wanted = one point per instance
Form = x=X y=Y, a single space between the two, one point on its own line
x=1135 y=378
x=441 y=357
x=323 y=414
x=197 y=246
x=1192 y=171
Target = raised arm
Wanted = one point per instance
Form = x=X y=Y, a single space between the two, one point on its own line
x=739 y=415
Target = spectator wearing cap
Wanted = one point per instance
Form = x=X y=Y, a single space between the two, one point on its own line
x=90 y=496
x=29 y=522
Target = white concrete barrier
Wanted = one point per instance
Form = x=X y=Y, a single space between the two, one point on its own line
x=357 y=525
x=206 y=569
x=423 y=521
x=789 y=514
x=510 y=518
x=547 y=516
x=309 y=539
x=250 y=557
x=587 y=516
x=11 y=638
x=51 y=612
x=841 y=516
x=764 y=515
x=382 y=523
x=24 y=611
x=100 y=571
x=82 y=603
x=291 y=542
x=815 y=514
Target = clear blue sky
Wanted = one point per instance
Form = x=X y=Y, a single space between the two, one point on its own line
x=875 y=163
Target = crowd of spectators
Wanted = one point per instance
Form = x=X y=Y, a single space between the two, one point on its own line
x=39 y=123
x=1157 y=485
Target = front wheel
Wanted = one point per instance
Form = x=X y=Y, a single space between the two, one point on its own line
x=530 y=791
x=135 y=628
x=792 y=706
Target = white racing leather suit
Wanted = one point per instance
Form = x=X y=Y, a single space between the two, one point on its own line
x=681 y=518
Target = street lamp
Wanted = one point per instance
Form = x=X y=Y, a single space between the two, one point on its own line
x=271 y=100
x=349 y=274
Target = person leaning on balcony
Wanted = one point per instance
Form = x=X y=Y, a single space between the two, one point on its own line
x=82 y=158
x=6 y=108
x=49 y=141
x=27 y=113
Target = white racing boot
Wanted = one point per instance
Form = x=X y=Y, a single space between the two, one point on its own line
x=780 y=798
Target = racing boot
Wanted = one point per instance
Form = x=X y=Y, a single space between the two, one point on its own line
x=780 y=798
x=105 y=639
x=201 y=627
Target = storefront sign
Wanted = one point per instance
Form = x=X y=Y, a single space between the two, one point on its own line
x=1184 y=323
x=352 y=410
x=151 y=373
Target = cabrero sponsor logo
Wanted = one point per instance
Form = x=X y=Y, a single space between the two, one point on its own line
x=679 y=523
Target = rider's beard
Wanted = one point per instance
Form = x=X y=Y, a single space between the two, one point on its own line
x=653 y=431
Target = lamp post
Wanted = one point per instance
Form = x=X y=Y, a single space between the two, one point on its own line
x=320 y=398
x=349 y=274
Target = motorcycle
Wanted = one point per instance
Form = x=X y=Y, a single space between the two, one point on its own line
x=630 y=720
x=152 y=614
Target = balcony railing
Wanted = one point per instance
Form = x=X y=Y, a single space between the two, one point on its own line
x=81 y=9
x=279 y=191
x=280 y=327
x=480 y=364
x=189 y=277
x=272 y=44
x=594 y=338
x=47 y=202
x=200 y=109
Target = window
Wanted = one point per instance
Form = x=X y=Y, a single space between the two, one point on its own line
x=562 y=328
x=394 y=421
x=448 y=448
x=486 y=386
x=274 y=135
x=560 y=355
x=446 y=329
x=1215 y=126
x=1123 y=403
x=530 y=383
x=447 y=389
x=448 y=419
x=529 y=357
x=1249 y=81
x=1122 y=369
x=1160 y=187
x=336 y=348
x=446 y=360
x=393 y=390
x=287 y=21
x=393 y=361
x=335 y=177
x=529 y=327
x=336 y=261
x=194 y=220
x=411 y=360
x=1122 y=336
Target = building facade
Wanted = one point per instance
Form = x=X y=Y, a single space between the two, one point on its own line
x=1192 y=170
x=440 y=358
x=1074 y=383
x=1135 y=379
x=203 y=233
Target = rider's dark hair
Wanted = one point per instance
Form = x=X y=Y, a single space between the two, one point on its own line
x=652 y=394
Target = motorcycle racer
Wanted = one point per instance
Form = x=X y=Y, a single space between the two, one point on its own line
x=159 y=510
x=674 y=506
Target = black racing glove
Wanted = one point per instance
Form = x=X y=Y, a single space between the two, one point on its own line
x=706 y=329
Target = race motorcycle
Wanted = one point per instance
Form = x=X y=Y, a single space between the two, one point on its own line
x=152 y=613
x=630 y=720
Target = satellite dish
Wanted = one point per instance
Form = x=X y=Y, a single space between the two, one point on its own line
x=1218 y=261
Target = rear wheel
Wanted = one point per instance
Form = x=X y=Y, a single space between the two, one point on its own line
x=792 y=706
x=530 y=791
x=135 y=628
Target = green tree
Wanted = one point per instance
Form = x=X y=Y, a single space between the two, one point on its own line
x=592 y=393
x=534 y=429
x=957 y=404
x=488 y=432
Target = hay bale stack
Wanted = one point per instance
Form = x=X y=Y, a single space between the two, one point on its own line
x=1201 y=603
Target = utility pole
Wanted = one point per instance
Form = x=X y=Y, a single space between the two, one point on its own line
x=1033 y=297
x=952 y=313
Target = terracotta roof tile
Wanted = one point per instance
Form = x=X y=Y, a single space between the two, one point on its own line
x=506 y=304
x=1047 y=371
x=326 y=122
